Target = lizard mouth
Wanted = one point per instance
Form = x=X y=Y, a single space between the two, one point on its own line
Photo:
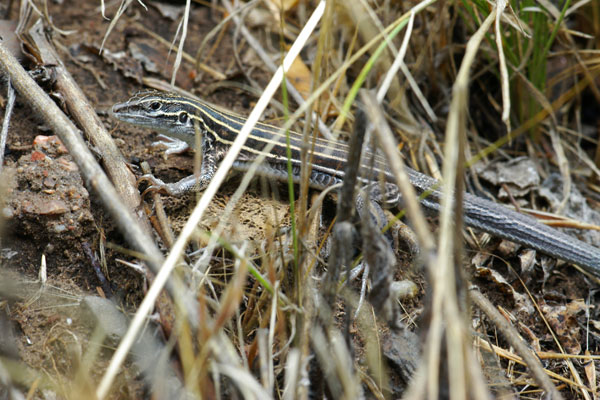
x=123 y=112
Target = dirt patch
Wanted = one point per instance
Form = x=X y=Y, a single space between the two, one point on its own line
x=50 y=219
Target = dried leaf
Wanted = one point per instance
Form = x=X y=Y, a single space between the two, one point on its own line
x=563 y=321
x=518 y=175
x=300 y=76
x=590 y=374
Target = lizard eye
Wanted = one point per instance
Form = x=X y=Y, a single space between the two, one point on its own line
x=183 y=118
x=155 y=106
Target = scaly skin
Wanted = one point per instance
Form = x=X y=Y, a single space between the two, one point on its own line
x=179 y=117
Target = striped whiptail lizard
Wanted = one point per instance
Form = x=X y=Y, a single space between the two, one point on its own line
x=178 y=117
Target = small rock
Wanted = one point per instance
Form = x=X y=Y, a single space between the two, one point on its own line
x=52 y=207
x=7 y=212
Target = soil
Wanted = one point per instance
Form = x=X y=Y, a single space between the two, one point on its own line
x=50 y=217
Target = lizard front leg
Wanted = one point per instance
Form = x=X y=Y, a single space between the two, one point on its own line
x=197 y=183
x=173 y=146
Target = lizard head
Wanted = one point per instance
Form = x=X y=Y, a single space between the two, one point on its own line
x=165 y=112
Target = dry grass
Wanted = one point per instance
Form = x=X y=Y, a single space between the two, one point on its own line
x=458 y=82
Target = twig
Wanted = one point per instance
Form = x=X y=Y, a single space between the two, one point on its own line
x=515 y=340
x=93 y=175
x=91 y=172
x=164 y=229
x=84 y=114
x=105 y=285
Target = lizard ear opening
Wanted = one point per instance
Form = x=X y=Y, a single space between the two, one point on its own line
x=183 y=118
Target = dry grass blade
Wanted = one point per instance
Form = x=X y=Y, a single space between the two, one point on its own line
x=334 y=358
x=183 y=26
x=264 y=312
x=399 y=64
x=208 y=195
x=448 y=323
x=500 y=6
x=342 y=231
x=267 y=60
x=388 y=146
x=211 y=71
x=122 y=7
x=568 y=362
x=7 y=114
x=517 y=342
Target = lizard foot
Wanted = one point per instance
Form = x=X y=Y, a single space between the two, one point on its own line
x=155 y=185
